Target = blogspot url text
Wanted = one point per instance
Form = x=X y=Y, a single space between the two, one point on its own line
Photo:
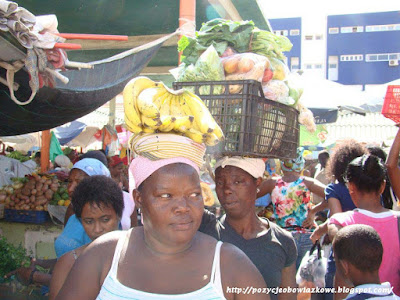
x=249 y=290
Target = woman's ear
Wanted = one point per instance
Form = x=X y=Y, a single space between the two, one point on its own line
x=382 y=188
x=137 y=198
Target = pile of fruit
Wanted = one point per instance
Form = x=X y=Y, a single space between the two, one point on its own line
x=34 y=192
x=152 y=107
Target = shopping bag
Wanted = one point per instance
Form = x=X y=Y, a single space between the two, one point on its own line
x=312 y=269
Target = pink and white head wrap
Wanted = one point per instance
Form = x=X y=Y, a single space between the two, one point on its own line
x=141 y=168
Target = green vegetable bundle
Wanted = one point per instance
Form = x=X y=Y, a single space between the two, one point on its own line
x=11 y=257
x=18 y=155
x=241 y=36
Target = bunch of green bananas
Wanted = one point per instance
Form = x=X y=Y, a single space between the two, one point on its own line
x=152 y=107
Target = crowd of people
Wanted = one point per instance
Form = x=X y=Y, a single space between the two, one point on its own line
x=181 y=250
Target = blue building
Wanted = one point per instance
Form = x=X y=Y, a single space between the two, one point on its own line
x=363 y=49
x=291 y=28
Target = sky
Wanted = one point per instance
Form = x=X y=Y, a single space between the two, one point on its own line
x=311 y=8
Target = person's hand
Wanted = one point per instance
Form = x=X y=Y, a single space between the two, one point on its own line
x=317 y=234
x=310 y=220
x=23 y=274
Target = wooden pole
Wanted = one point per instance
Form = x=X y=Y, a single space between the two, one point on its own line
x=187 y=18
x=45 y=151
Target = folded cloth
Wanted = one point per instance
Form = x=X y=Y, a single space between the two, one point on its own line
x=7 y=7
x=254 y=166
x=156 y=146
x=294 y=165
x=141 y=168
x=92 y=166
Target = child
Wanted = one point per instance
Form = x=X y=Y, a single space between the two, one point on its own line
x=358 y=253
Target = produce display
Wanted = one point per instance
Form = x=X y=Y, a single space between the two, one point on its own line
x=152 y=107
x=11 y=257
x=34 y=192
x=246 y=52
x=18 y=156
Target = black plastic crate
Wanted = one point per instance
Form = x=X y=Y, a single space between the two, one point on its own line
x=26 y=216
x=253 y=125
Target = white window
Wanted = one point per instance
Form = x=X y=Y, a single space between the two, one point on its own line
x=386 y=27
x=333 y=30
x=295 y=32
x=318 y=36
x=382 y=57
x=308 y=66
x=393 y=56
x=333 y=68
x=351 y=29
x=308 y=37
x=318 y=66
x=295 y=63
x=353 y=57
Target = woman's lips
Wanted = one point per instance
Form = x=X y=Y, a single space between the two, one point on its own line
x=182 y=226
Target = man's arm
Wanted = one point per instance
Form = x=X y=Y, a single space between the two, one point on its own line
x=288 y=280
x=392 y=164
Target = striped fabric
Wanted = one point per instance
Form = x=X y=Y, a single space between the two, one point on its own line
x=112 y=289
x=166 y=145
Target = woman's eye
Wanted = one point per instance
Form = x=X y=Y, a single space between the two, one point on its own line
x=195 y=195
x=165 y=196
x=88 y=222
x=106 y=219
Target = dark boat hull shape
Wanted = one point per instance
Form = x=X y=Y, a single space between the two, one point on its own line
x=87 y=90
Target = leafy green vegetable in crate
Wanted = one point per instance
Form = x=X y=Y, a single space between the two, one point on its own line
x=220 y=33
x=18 y=156
x=268 y=44
x=11 y=257
x=207 y=68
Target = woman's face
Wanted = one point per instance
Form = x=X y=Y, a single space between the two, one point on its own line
x=74 y=178
x=98 y=220
x=236 y=190
x=172 y=204
x=117 y=170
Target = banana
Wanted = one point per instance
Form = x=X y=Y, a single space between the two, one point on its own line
x=195 y=135
x=130 y=92
x=160 y=96
x=148 y=130
x=176 y=110
x=168 y=123
x=218 y=132
x=153 y=123
x=202 y=115
x=184 y=106
x=212 y=139
x=165 y=109
x=145 y=103
x=183 y=123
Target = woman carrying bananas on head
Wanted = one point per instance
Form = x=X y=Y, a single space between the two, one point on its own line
x=166 y=257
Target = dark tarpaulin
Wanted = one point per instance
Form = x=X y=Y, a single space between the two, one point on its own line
x=87 y=90
x=324 y=115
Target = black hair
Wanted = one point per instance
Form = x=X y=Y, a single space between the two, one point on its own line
x=37 y=154
x=386 y=196
x=367 y=172
x=359 y=245
x=96 y=154
x=323 y=153
x=99 y=190
x=341 y=156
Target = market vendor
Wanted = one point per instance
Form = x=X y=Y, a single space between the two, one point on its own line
x=291 y=199
x=269 y=247
x=180 y=261
x=73 y=235
x=99 y=203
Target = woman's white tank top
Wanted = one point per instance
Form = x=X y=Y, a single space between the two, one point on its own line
x=112 y=289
